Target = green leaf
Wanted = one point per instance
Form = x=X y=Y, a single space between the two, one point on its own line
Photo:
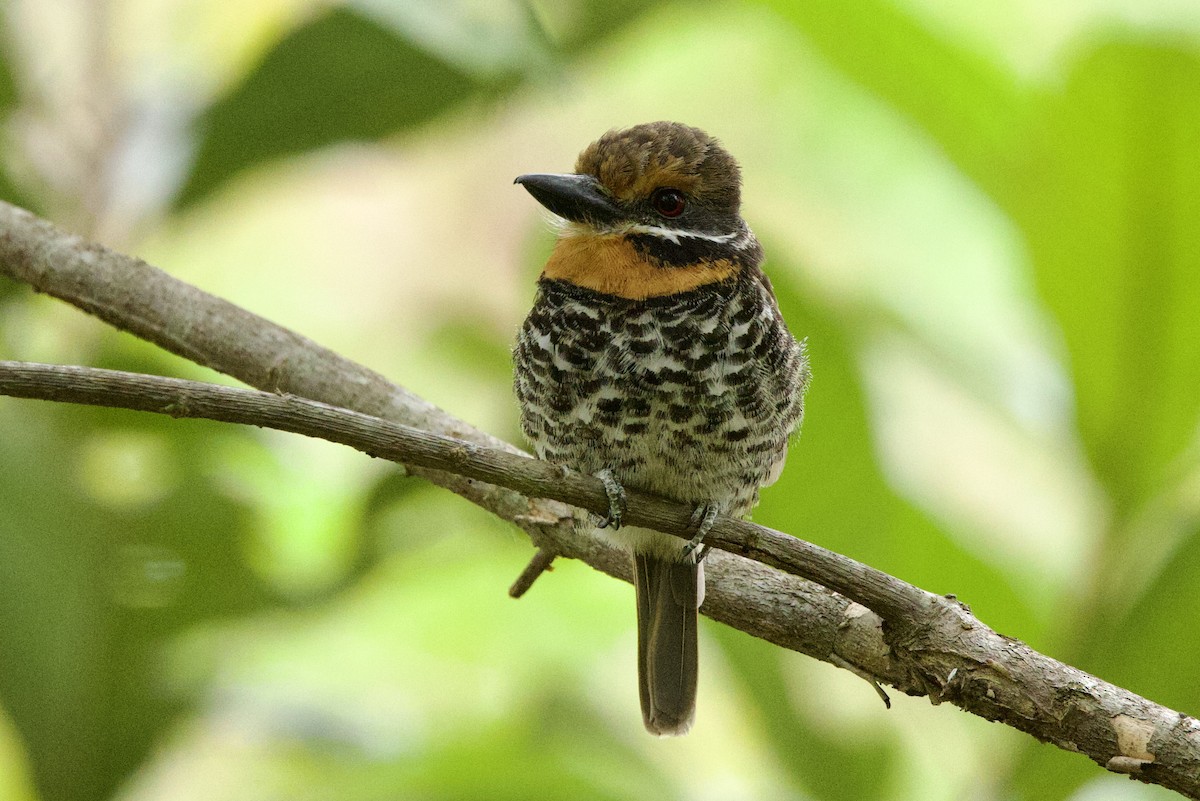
x=341 y=77
x=9 y=191
x=592 y=22
x=8 y=85
x=1111 y=210
x=1102 y=180
x=971 y=106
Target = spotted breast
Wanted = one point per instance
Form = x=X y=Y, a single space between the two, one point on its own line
x=692 y=396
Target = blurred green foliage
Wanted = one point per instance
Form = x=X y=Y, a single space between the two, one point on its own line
x=95 y=581
x=8 y=100
x=1111 y=229
x=193 y=611
x=339 y=77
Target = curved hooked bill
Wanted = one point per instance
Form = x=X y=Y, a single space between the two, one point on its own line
x=579 y=198
x=573 y=197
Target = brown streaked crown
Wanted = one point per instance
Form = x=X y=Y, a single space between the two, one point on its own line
x=632 y=162
x=653 y=210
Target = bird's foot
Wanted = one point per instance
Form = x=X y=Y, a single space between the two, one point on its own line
x=703 y=517
x=616 y=499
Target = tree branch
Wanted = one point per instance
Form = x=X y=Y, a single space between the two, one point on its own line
x=921 y=643
x=899 y=603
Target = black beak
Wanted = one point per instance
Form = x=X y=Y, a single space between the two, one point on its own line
x=573 y=197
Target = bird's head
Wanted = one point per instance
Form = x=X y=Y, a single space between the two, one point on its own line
x=651 y=210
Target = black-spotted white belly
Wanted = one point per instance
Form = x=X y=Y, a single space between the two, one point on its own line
x=692 y=397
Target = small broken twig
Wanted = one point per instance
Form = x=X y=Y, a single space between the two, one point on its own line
x=539 y=564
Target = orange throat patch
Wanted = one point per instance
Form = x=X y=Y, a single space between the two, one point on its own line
x=611 y=265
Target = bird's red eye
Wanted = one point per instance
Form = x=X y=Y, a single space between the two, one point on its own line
x=668 y=202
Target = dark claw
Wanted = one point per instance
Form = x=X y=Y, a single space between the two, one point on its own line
x=616 y=500
x=703 y=517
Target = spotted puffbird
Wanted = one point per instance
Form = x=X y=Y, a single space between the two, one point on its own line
x=655 y=357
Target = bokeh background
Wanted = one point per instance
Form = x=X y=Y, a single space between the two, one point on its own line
x=985 y=217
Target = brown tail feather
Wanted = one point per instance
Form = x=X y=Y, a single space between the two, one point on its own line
x=668 y=594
